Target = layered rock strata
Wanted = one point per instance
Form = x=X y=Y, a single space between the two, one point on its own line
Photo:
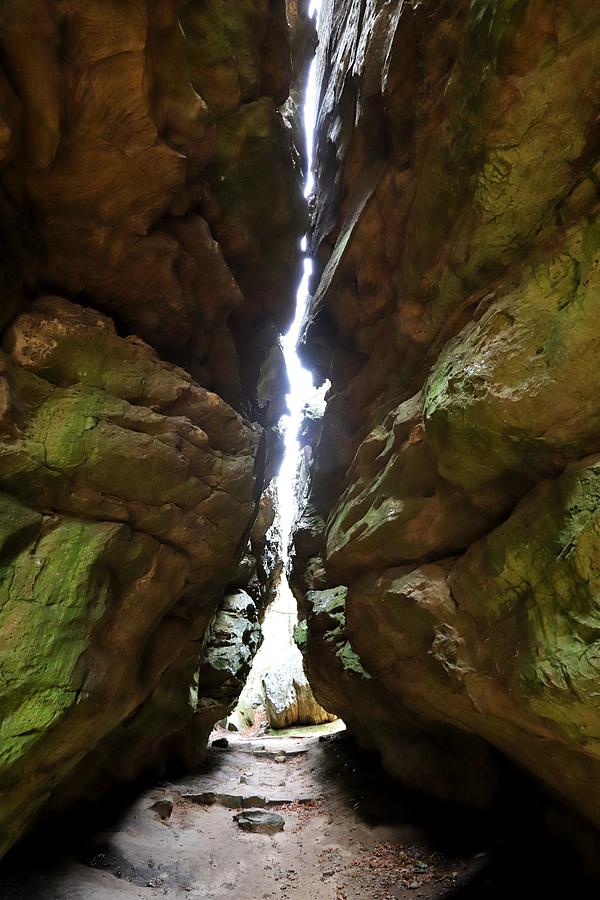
x=447 y=559
x=150 y=215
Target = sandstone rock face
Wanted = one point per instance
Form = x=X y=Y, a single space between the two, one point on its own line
x=446 y=560
x=230 y=645
x=150 y=215
x=288 y=696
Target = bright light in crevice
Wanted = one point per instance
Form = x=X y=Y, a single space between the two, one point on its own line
x=301 y=386
x=278 y=645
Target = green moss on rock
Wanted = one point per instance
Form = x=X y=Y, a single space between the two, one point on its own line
x=516 y=395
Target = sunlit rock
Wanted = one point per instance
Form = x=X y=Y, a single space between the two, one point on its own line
x=288 y=697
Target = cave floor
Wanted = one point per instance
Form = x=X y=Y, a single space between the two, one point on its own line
x=349 y=833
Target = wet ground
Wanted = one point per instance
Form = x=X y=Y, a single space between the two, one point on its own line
x=349 y=833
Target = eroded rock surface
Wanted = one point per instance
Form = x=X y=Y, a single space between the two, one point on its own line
x=150 y=214
x=288 y=696
x=446 y=559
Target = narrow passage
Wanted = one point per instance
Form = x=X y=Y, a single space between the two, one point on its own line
x=299 y=815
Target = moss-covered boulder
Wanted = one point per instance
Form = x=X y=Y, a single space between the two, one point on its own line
x=138 y=409
x=136 y=491
x=515 y=396
x=81 y=602
x=397 y=508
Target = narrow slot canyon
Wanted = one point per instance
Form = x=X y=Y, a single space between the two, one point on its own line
x=299 y=433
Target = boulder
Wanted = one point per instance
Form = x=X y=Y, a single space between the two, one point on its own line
x=260 y=821
x=230 y=645
x=288 y=697
x=163 y=808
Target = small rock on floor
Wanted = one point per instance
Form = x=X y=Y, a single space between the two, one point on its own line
x=260 y=821
x=221 y=743
x=254 y=802
x=163 y=808
x=206 y=798
x=230 y=801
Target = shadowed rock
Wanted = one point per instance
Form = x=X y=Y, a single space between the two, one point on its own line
x=150 y=218
x=446 y=553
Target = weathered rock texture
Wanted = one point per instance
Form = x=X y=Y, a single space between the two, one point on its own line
x=235 y=636
x=230 y=645
x=288 y=696
x=150 y=213
x=448 y=560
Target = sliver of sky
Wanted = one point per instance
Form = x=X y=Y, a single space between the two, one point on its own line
x=301 y=386
x=278 y=645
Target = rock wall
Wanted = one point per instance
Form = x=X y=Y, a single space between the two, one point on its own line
x=448 y=558
x=288 y=697
x=150 y=215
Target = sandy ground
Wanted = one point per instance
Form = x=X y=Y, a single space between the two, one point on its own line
x=348 y=834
